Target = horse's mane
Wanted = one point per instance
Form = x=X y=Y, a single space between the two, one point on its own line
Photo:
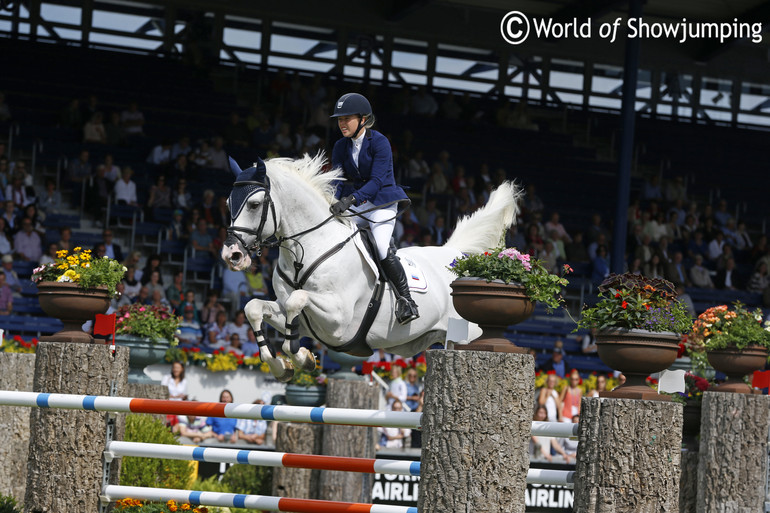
x=309 y=170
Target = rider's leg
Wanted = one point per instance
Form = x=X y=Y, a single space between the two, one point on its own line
x=382 y=223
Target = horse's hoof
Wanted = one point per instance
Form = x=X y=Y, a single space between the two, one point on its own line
x=309 y=365
x=286 y=375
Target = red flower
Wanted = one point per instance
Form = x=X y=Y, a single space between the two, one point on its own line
x=17 y=338
x=216 y=351
x=647 y=306
x=486 y=253
x=617 y=294
x=551 y=372
x=681 y=351
x=624 y=305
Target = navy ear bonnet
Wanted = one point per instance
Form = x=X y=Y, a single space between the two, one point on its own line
x=247 y=182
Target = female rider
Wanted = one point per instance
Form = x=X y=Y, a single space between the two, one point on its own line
x=365 y=157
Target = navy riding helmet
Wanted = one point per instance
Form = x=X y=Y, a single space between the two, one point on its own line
x=352 y=104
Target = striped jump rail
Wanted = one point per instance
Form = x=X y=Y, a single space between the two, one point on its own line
x=112 y=493
x=318 y=415
x=118 y=449
x=261 y=458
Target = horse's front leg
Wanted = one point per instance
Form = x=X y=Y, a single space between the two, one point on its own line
x=301 y=357
x=257 y=311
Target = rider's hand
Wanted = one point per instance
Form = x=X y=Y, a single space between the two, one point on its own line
x=342 y=205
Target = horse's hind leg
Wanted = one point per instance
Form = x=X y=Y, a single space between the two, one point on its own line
x=301 y=357
x=255 y=313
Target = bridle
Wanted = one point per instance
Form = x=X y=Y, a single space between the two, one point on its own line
x=253 y=187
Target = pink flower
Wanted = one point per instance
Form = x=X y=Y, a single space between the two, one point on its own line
x=514 y=253
x=141 y=309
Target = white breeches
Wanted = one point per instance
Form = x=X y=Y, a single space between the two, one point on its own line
x=381 y=223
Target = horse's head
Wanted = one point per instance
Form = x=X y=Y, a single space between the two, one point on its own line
x=252 y=214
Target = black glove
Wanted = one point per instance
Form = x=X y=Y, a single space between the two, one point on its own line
x=342 y=205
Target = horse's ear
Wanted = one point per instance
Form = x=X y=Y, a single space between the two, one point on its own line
x=261 y=169
x=234 y=167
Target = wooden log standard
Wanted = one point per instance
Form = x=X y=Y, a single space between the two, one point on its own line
x=297 y=482
x=733 y=465
x=628 y=457
x=64 y=474
x=688 y=484
x=477 y=420
x=16 y=372
x=350 y=441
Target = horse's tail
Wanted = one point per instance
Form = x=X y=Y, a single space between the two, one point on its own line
x=484 y=229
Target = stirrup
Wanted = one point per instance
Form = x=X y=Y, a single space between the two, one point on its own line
x=406 y=311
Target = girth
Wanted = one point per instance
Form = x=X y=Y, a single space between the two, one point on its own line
x=356 y=346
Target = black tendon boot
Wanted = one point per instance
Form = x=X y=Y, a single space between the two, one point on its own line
x=406 y=308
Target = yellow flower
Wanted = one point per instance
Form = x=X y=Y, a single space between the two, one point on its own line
x=76 y=249
x=186 y=507
x=70 y=273
x=61 y=253
x=62 y=266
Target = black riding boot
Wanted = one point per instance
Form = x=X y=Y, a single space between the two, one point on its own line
x=406 y=308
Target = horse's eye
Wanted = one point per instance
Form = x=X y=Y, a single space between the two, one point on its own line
x=254 y=203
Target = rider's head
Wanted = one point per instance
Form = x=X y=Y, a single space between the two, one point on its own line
x=353 y=112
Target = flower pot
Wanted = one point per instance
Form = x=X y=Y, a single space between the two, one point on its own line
x=142 y=354
x=637 y=354
x=346 y=362
x=297 y=395
x=736 y=363
x=74 y=306
x=493 y=306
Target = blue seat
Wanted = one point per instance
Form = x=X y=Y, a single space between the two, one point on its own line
x=27 y=305
x=62 y=220
x=24 y=269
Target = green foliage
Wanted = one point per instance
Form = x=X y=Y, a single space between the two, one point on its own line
x=8 y=504
x=509 y=265
x=249 y=479
x=720 y=327
x=213 y=484
x=152 y=472
x=175 y=354
x=308 y=379
x=78 y=267
x=152 y=322
x=632 y=301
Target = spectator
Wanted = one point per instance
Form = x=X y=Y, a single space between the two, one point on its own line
x=49 y=200
x=160 y=154
x=651 y=189
x=112 y=172
x=195 y=428
x=143 y=297
x=542 y=446
x=677 y=272
x=588 y=342
x=177 y=229
x=413 y=389
x=218 y=156
x=683 y=297
x=760 y=279
x=224 y=428
x=17 y=192
x=601 y=386
x=27 y=244
x=423 y=103
x=255 y=281
x=722 y=215
x=699 y=275
x=548 y=397
x=180 y=198
x=241 y=327
x=654 y=268
x=390 y=437
x=727 y=278
x=153 y=264
x=676 y=190
x=570 y=397
x=6 y=297
x=234 y=345
x=742 y=238
x=189 y=299
x=114 y=132
x=111 y=249
x=121 y=299
x=250 y=430
x=600 y=265
x=71 y=117
x=132 y=285
x=555 y=225
x=6 y=246
x=716 y=246
x=132 y=120
x=189 y=330
x=556 y=363
x=160 y=196
x=398 y=389
x=201 y=240
x=154 y=284
x=94 y=131
x=174 y=293
x=697 y=245
x=125 y=189
x=11 y=278
x=218 y=333
x=569 y=445
x=176 y=382
x=181 y=147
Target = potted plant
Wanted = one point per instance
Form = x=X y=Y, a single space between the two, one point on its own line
x=735 y=343
x=148 y=331
x=639 y=325
x=498 y=288
x=74 y=288
x=306 y=388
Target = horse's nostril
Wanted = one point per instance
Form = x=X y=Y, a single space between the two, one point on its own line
x=235 y=256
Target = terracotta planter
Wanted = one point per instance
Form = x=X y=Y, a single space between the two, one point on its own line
x=493 y=306
x=142 y=353
x=297 y=395
x=736 y=364
x=637 y=354
x=74 y=306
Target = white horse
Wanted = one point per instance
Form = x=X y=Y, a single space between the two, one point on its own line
x=325 y=279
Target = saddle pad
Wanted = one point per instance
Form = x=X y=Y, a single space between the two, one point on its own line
x=414 y=275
